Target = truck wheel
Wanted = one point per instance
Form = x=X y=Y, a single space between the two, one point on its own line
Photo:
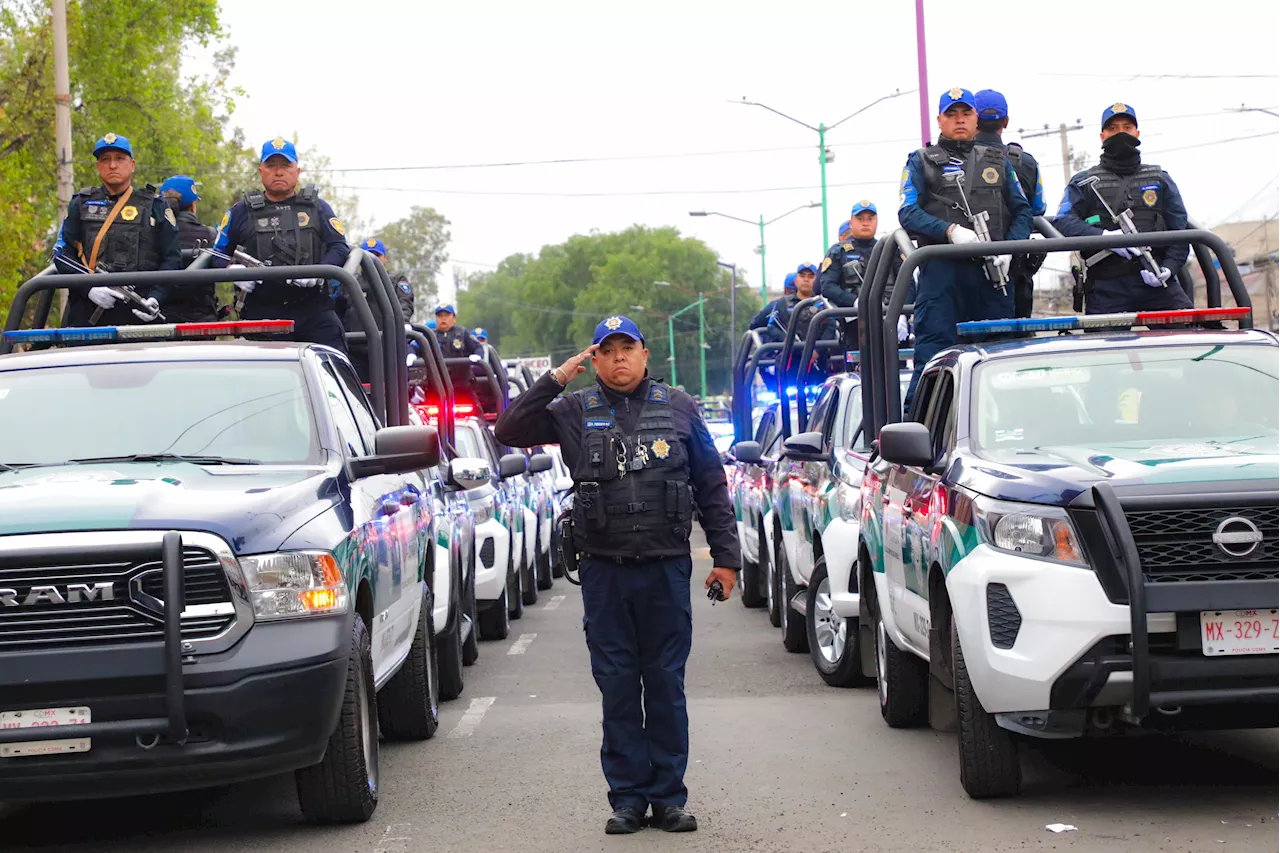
x=495 y=623
x=409 y=704
x=343 y=788
x=989 y=764
x=833 y=640
x=545 y=578
x=529 y=577
x=515 y=594
x=750 y=580
x=902 y=680
x=771 y=584
x=795 y=636
x=449 y=653
x=471 y=646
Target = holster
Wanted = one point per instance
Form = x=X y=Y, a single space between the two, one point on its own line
x=568 y=551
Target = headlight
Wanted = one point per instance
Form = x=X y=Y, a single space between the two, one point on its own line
x=294 y=583
x=849 y=501
x=1030 y=529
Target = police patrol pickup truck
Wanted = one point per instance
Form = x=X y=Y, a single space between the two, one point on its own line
x=1077 y=535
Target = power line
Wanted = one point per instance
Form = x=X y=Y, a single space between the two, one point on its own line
x=612 y=194
x=1157 y=76
x=1232 y=215
x=1200 y=144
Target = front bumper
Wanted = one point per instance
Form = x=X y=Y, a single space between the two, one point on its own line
x=264 y=707
x=492 y=540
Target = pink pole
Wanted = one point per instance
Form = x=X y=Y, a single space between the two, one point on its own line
x=923 y=69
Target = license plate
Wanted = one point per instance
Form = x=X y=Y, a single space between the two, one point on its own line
x=44 y=718
x=1239 y=632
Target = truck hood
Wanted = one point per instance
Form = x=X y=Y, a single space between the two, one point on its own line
x=1058 y=475
x=254 y=508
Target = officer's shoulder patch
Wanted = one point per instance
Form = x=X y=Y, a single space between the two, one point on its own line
x=168 y=214
x=990 y=175
x=848 y=247
x=337 y=225
x=404 y=287
x=591 y=400
x=129 y=213
x=226 y=220
x=657 y=394
x=826 y=263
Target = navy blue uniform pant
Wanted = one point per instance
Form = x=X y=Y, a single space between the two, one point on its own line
x=315 y=323
x=952 y=292
x=1129 y=293
x=639 y=626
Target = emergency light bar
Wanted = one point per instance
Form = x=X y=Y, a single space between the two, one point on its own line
x=1102 y=321
x=160 y=332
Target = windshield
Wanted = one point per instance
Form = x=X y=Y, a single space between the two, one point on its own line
x=1203 y=399
x=468 y=444
x=243 y=410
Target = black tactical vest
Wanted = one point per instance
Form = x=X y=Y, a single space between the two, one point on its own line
x=984 y=183
x=285 y=233
x=1142 y=194
x=632 y=495
x=193 y=234
x=130 y=244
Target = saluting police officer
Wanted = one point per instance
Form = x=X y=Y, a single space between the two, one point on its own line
x=187 y=304
x=1120 y=282
x=846 y=262
x=283 y=226
x=993 y=118
x=116 y=227
x=455 y=341
x=932 y=212
x=641 y=457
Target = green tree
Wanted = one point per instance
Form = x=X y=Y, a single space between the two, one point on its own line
x=417 y=246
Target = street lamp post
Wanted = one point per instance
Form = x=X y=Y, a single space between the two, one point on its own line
x=764 y=278
x=733 y=303
x=702 y=341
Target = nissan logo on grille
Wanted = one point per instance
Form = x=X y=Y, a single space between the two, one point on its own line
x=1237 y=537
x=76 y=593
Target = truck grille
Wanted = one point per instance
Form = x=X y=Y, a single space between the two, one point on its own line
x=1177 y=545
x=99 y=603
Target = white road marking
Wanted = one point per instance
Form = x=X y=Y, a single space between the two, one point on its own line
x=554 y=602
x=471 y=719
x=396 y=839
x=521 y=645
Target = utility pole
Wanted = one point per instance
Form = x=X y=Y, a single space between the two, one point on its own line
x=702 y=344
x=1062 y=131
x=922 y=71
x=62 y=121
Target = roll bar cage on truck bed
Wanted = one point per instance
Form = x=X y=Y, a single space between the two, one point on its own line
x=389 y=389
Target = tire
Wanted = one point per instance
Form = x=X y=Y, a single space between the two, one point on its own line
x=902 y=680
x=471 y=645
x=771 y=584
x=989 y=765
x=751 y=596
x=833 y=640
x=343 y=788
x=450 y=654
x=795 y=634
x=515 y=593
x=409 y=704
x=495 y=623
x=529 y=577
x=545 y=578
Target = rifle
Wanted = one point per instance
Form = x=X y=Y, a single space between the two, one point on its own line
x=980 y=222
x=1124 y=221
x=124 y=292
x=243 y=257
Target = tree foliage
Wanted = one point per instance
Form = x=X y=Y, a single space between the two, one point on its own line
x=551 y=303
x=416 y=246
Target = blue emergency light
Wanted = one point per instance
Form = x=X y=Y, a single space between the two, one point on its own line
x=1102 y=321
x=158 y=332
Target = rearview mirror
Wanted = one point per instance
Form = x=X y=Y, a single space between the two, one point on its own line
x=747 y=451
x=805 y=447
x=469 y=473
x=512 y=465
x=398 y=450
x=539 y=462
x=906 y=444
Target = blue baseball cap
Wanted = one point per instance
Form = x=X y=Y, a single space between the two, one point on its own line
x=280 y=146
x=951 y=97
x=991 y=104
x=445 y=308
x=431 y=324
x=480 y=334
x=373 y=244
x=617 y=326
x=789 y=283
x=807 y=268
x=185 y=187
x=1119 y=109
x=111 y=142
x=865 y=204
x=845 y=228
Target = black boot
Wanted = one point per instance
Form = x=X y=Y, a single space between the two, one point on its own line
x=625 y=821
x=673 y=819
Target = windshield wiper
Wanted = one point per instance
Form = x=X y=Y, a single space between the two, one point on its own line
x=171 y=457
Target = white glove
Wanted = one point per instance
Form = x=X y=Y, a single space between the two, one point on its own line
x=1150 y=279
x=1002 y=263
x=246 y=286
x=904 y=331
x=307 y=282
x=149 y=313
x=1123 y=252
x=960 y=235
x=104 y=297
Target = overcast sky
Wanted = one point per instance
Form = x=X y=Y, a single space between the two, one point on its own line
x=463 y=83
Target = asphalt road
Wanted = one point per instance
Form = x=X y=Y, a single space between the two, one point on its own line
x=780 y=762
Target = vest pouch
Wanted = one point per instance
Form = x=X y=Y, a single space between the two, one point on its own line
x=588 y=508
x=679 y=500
x=599 y=455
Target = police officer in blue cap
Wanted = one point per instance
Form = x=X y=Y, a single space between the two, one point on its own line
x=767 y=318
x=932 y=212
x=189 y=304
x=404 y=290
x=846 y=263
x=640 y=456
x=281 y=225
x=480 y=334
x=116 y=227
x=1120 y=281
x=455 y=341
x=993 y=118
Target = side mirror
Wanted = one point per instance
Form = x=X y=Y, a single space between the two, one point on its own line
x=563 y=484
x=469 y=474
x=805 y=447
x=539 y=462
x=747 y=451
x=906 y=444
x=399 y=450
x=512 y=465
